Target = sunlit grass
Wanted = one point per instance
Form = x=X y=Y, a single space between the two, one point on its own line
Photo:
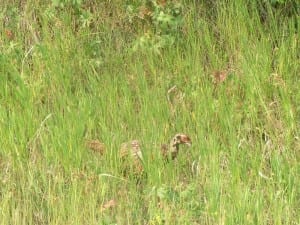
x=63 y=83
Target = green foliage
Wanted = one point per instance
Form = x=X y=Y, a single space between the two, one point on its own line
x=166 y=18
x=162 y=21
x=282 y=8
x=224 y=72
x=64 y=3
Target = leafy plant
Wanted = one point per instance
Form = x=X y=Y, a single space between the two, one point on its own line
x=162 y=22
x=64 y=3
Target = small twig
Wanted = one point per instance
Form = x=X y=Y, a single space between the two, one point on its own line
x=195 y=167
x=263 y=176
x=23 y=60
x=38 y=131
x=112 y=176
x=241 y=143
x=169 y=92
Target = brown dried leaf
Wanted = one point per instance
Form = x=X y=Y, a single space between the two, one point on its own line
x=277 y=80
x=144 y=12
x=220 y=76
x=9 y=34
x=109 y=205
x=164 y=150
x=162 y=2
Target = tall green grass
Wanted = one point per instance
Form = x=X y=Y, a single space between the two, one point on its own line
x=64 y=82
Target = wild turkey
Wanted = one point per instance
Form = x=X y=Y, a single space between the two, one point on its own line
x=172 y=150
x=132 y=159
x=96 y=146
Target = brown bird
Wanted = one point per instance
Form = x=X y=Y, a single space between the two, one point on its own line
x=172 y=149
x=132 y=158
x=96 y=146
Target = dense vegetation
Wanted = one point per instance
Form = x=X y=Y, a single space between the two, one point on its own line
x=224 y=72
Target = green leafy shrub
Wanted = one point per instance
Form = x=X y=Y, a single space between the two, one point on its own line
x=161 y=21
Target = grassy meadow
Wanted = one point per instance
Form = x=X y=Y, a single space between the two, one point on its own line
x=225 y=73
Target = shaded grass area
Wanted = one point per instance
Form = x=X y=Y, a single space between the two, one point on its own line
x=65 y=80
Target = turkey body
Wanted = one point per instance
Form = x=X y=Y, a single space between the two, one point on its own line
x=131 y=157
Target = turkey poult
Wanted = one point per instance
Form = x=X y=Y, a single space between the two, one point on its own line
x=172 y=150
x=132 y=158
x=96 y=146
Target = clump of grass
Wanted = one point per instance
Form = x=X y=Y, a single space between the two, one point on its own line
x=228 y=78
